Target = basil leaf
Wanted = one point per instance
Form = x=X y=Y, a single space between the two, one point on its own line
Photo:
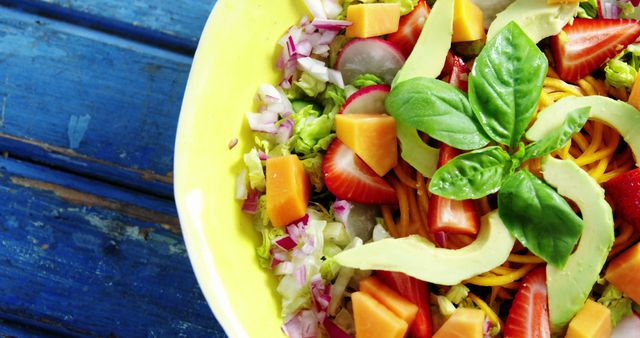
x=505 y=84
x=560 y=136
x=438 y=109
x=472 y=175
x=539 y=217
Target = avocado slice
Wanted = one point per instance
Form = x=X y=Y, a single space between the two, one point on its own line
x=570 y=286
x=419 y=258
x=617 y=114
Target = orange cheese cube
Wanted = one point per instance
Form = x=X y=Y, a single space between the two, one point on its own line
x=592 y=321
x=391 y=299
x=372 y=19
x=468 y=22
x=624 y=273
x=463 y=323
x=288 y=189
x=372 y=137
x=374 y=320
x=634 y=98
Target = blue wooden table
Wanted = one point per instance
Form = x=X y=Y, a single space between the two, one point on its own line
x=90 y=243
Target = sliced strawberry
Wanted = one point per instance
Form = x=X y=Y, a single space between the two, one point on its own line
x=410 y=28
x=459 y=73
x=588 y=43
x=415 y=291
x=451 y=216
x=624 y=193
x=529 y=314
x=349 y=178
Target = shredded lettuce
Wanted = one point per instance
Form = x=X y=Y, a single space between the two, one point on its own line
x=457 y=293
x=628 y=11
x=333 y=99
x=621 y=71
x=310 y=85
x=335 y=232
x=261 y=218
x=312 y=131
x=269 y=233
x=312 y=164
x=254 y=167
x=329 y=269
x=366 y=80
x=619 y=305
x=445 y=306
x=588 y=9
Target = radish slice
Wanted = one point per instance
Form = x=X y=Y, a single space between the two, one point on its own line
x=368 y=100
x=628 y=327
x=372 y=55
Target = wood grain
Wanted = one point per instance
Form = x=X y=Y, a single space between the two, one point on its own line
x=89 y=102
x=81 y=269
x=175 y=24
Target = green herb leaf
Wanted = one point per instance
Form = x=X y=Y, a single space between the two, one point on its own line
x=539 y=217
x=505 y=84
x=472 y=175
x=438 y=109
x=560 y=136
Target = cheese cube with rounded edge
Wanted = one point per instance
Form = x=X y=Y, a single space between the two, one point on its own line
x=592 y=321
x=624 y=273
x=372 y=19
x=468 y=22
x=288 y=189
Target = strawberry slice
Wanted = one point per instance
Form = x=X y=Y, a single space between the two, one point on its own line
x=409 y=29
x=349 y=178
x=529 y=314
x=451 y=216
x=415 y=291
x=624 y=193
x=588 y=43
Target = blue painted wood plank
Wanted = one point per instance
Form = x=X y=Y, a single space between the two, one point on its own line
x=89 y=102
x=11 y=329
x=86 y=270
x=172 y=24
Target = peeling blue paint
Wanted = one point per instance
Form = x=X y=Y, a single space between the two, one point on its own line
x=76 y=129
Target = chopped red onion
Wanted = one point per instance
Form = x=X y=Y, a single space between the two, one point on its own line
x=262 y=156
x=285 y=242
x=258 y=123
x=284 y=268
x=250 y=205
x=305 y=48
x=291 y=46
x=285 y=84
x=327 y=37
x=333 y=330
x=295 y=232
x=279 y=254
x=316 y=8
x=314 y=67
x=486 y=329
x=335 y=77
x=441 y=239
x=301 y=275
x=321 y=293
x=334 y=25
x=322 y=50
x=241 y=185
x=332 y=8
x=302 y=325
x=275 y=262
x=608 y=9
x=287 y=107
x=341 y=209
x=268 y=93
x=285 y=129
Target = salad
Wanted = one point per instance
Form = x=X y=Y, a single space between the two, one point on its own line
x=452 y=168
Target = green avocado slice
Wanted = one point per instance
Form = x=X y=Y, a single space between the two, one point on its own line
x=617 y=114
x=419 y=258
x=570 y=286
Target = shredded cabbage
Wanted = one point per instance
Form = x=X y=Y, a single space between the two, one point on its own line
x=333 y=99
x=312 y=164
x=588 y=9
x=269 y=233
x=366 y=80
x=457 y=293
x=621 y=71
x=312 y=132
x=310 y=85
x=256 y=173
x=619 y=305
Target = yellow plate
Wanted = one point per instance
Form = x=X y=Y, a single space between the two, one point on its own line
x=237 y=52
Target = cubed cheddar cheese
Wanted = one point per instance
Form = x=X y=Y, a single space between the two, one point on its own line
x=624 y=273
x=288 y=189
x=468 y=22
x=399 y=305
x=372 y=19
x=592 y=321
x=372 y=137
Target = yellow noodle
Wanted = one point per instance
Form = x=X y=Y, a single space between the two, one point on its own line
x=501 y=280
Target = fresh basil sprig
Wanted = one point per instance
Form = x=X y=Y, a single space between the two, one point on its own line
x=438 y=109
x=504 y=89
x=539 y=217
x=505 y=84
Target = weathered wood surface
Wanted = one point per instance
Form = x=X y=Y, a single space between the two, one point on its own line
x=89 y=102
x=82 y=265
